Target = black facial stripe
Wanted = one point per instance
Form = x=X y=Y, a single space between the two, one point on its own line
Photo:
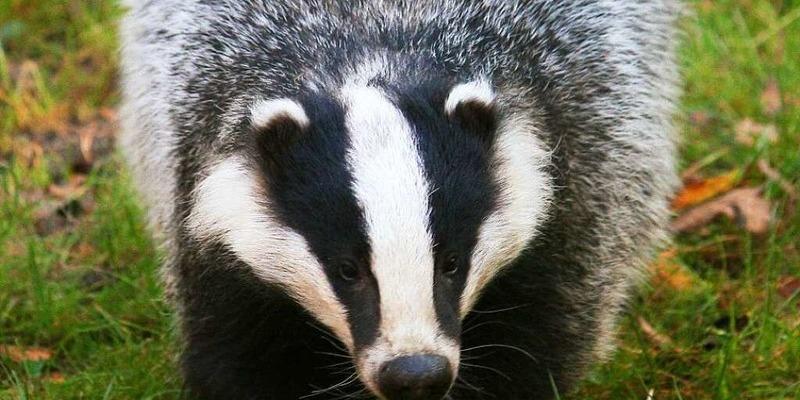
x=457 y=163
x=309 y=185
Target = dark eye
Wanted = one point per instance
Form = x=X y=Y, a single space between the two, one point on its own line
x=451 y=265
x=348 y=271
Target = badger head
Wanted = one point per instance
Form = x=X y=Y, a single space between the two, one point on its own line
x=383 y=211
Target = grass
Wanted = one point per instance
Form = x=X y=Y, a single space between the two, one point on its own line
x=81 y=285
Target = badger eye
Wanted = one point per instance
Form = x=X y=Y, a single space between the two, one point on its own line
x=451 y=265
x=348 y=271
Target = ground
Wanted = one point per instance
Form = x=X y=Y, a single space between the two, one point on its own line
x=81 y=309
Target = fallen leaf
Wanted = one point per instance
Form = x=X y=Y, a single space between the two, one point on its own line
x=15 y=248
x=771 y=98
x=747 y=131
x=22 y=354
x=77 y=147
x=656 y=337
x=25 y=76
x=85 y=142
x=109 y=114
x=700 y=119
x=54 y=377
x=82 y=251
x=74 y=188
x=697 y=191
x=30 y=152
x=774 y=175
x=55 y=216
x=746 y=206
x=668 y=271
x=94 y=140
x=788 y=286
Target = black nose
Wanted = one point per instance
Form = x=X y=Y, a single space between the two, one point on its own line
x=415 y=377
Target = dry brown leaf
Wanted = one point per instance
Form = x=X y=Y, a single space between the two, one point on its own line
x=94 y=139
x=83 y=250
x=746 y=206
x=15 y=248
x=25 y=75
x=22 y=354
x=668 y=271
x=85 y=142
x=771 y=101
x=774 y=175
x=698 y=191
x=656 y=337
x=700 y=119
x=55 y=216
x=788 y=286
x=747 y=131
x=31 y=152
x=54 y=377
x=109 y=114
x=74 y=188
x=64 y=206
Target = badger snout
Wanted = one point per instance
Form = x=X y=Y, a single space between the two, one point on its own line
x=415 y=377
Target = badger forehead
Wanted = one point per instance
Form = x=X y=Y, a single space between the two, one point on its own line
x=379 y=171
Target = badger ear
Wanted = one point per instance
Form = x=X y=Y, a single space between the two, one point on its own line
x=277 y=122
x=472 y=105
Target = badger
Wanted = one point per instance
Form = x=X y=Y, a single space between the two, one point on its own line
x=399 y=199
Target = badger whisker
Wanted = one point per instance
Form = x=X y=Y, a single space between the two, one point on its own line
x=363 y=393
x=461 y=382
x=337 y=365
x=350 y=379
x=327 y=353
x=334 y=344
x=328 y=336
x=478 y=325
x=478 y=357
x=502 y=346
x=497 y=371
x=501 y=309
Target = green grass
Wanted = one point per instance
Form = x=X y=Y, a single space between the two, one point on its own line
x=88 y=291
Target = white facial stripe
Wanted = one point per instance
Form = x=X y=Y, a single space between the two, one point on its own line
x=392 y=190
x=523 y=198
x=479 y=91
x=263 y=112
x=368 y=70
x=229 y=205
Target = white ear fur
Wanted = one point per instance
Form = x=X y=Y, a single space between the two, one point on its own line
x=264 y=112
x=479 y=91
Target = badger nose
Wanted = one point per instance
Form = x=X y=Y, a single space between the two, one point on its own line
x=415 y=377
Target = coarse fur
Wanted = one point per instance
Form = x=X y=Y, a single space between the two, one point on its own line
x=534 y=136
